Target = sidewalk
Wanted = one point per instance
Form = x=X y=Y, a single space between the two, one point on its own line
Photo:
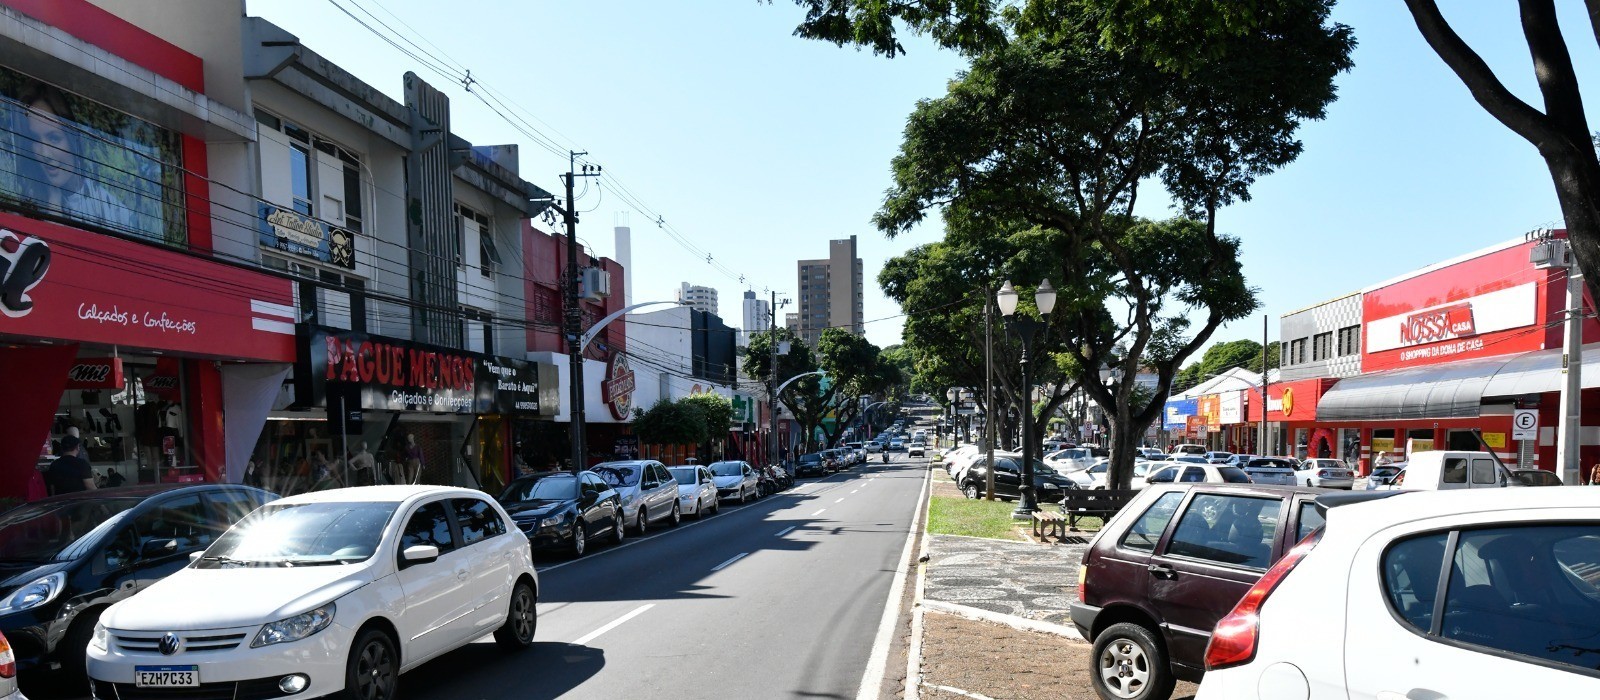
x=1032 y=581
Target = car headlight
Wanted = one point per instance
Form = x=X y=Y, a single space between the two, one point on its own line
x=294 y=628
x=35 y=594
x=97 y=642
x=555 y=521
x=1049 y=485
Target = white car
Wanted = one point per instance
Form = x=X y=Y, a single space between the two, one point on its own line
x=953 y=457
x=8 y=680
x=325 y=592
x=1325 y=473
x=1070 y=459
x=1097 y=474
x=738 y=481
x=1190 y=472
x=1479 y=593
x=917 y=449
x=697 y=491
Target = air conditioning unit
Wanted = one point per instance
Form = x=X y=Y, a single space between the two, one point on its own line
x=594 y=284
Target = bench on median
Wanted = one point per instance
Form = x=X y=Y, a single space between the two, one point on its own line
x=1054 y=522
x=1084 y=503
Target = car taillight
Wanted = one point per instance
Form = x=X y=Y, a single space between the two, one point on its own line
x=1233 y=641
x=1326 y=474
x=1083 y=572
x=8 y=660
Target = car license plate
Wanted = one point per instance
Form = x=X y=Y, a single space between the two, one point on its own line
x=166 y=676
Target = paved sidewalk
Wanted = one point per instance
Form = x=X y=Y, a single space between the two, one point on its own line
x=1033 y=581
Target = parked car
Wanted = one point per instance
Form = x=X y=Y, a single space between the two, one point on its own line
x=648 y=492
x=1048 y=485
x=65 y=559
x=1442 y=594
x=1173 y=562
x=1218 y=457
x=953 y=457
x=8 y=672
x=330 y=591
x=1190 y=449
x=1153 y=454
x=564 y=511
x=1190 y=473
x=1537 y=477
x=874 y=447
x=811 y=464
x=1192 y=459
x=861 y=455
x=917 y=449
x=974 y=457
x=1381 y=476
x=736 y=481
x=1272 y=470
x=1097 y=473
x=697 y=490
x=1239 y=460
x=1450 y=470
x=1070 y=459
x=1324 y=473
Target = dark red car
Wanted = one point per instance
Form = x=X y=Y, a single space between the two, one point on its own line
x=1168 y=567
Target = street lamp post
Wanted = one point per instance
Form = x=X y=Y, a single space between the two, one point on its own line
x=1027 y=329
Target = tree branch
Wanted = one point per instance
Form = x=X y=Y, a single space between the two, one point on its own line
x=1552 y=64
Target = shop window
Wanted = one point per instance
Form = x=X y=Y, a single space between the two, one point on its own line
x=134 y=433
x=1349 y=340
x=1322 y=346
x=69 y=157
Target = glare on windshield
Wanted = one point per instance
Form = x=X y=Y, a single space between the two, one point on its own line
x=302 y=534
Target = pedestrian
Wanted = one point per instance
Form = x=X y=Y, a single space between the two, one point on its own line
x=1594 y=475
x=70 y=473
x=114 y=478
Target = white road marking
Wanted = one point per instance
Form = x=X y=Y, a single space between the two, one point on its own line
x=735 y=558
x=838 y=500
x=819 y=511
x=585 y=639
x=786 y=531
x=878 y=662
x=856 y=491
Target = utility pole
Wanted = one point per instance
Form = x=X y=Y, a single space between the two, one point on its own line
x=574 y=312
x=772 y=382
x=988 y=392
x=1572 y=382
x=1262 y=448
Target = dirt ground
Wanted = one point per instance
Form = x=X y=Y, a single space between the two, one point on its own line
x=1005 y=663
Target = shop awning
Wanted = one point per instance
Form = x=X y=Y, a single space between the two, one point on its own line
x=1540 y=372
x=1453 y=390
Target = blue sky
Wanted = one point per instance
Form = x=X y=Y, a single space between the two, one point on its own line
x=760 y=147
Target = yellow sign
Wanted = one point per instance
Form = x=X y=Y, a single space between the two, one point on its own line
x=1421 y=445
x=1495 y=440
x=1382 y=445
x=1288 y=401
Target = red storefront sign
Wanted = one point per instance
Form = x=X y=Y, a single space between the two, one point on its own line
x=1289 y=401
x=1491 y=304
x=99 y=373
x=617 y=389
x=58 y=282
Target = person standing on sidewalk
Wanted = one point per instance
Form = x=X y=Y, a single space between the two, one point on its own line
x=1594 y=475
x=70 y=473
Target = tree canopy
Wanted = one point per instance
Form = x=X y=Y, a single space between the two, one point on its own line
x=671 y=423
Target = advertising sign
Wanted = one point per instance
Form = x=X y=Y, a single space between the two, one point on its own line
x=1524 y=424
x=1176 y=413
x=377 y=373
x=1230 y=408
x=292 y=232
x=1478 y=307
x=97 y=373
x=1211 y=411
x=59 y=282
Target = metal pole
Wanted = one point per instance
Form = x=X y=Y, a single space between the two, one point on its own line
x=988 y=392
x=1026 y=505
x=574 y=323
x=1567 y=446
x=772 y=383
x=1263 y=446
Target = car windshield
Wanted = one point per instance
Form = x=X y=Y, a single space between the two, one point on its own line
x=302 y=534
x=1269 y=464
x=1221 y=455
x=684 y=475
x=618 y=475
x=1098 y=468
x=813 y=457
x=1234 y=475
x=39 y=531
x=727 y=469
x=551 y=487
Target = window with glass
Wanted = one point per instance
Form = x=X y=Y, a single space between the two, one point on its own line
x=1349 y=340
x=1227 y=529
x=1322 y=346
x=477 y=519
x=429 y=525
x=1146 y=531
x=70 y=157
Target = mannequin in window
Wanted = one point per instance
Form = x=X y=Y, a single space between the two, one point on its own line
x=364 y=465
x=412 y=456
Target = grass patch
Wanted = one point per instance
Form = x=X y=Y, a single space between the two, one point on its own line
x=948 y=515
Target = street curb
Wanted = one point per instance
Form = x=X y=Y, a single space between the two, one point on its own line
x=914 y=648
x=1013 y=621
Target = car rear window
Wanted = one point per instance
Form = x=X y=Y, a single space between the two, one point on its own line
x=1227 y=529
x=1233 y=475
x=1310 y=519
x=1146 y=531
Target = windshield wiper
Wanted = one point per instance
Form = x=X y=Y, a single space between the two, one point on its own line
x=310 y=562
x=225 y=559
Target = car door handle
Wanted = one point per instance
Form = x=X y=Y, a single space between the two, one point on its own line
x=1162 y=571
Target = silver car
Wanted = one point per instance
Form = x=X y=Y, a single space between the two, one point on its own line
x=1272 y=470
x=648 y=491
x=1325 y=473
x=736 y=481
x=697 y=492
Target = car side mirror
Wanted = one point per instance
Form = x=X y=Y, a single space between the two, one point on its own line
x=158 y=548
x=420 y=554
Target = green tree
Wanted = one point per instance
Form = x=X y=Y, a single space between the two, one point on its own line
x=807 y=398
x=671 y=423
x=857 y=370
x=1049 y=135
x=718 y=414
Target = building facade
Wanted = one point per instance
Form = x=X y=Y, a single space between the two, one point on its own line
x=830 y=292
x=757 y=317
x=698 y=297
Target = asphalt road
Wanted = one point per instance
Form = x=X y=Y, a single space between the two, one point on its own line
x=781 y=598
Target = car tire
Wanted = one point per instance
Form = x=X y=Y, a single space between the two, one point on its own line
x=522 y=619
x=73 y=649
x=971 y=490
x=677 y=516
x=1129 y=663
x=619 y=531
x=373 y=670
x=580 y=541
x=644 y=522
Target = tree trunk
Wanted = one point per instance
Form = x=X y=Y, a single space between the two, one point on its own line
x=1125 y=437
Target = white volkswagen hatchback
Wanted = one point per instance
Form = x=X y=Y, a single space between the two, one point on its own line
x=316 y=593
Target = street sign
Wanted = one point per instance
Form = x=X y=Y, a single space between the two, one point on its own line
x=1524 y=424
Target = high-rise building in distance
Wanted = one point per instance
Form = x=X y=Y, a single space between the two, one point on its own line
x=757 y=316
x=698 y=297
x=831 y=293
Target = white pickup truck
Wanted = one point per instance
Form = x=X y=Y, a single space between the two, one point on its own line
x=1450 y=469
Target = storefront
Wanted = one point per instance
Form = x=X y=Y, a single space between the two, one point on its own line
x=374 y=410
x=134 y=348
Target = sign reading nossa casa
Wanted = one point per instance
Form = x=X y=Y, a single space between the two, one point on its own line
x=379 y=373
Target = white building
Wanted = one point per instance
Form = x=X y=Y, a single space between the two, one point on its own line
x=757 y=317
x=698 y=297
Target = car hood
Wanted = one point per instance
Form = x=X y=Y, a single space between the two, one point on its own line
x=16 y=574
x=727 y=482
x=190 y=600
x=528 y=510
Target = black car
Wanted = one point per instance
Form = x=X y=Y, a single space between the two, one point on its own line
x=65 y=559
x=1047 y=484
x=810 y=465
x=563 y=511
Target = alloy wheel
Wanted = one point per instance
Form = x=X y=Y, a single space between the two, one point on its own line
x=644 y=520
x=1124 y=669
x=618 y=530
x=579 y=542
x=375 y=670
x=524 y=615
